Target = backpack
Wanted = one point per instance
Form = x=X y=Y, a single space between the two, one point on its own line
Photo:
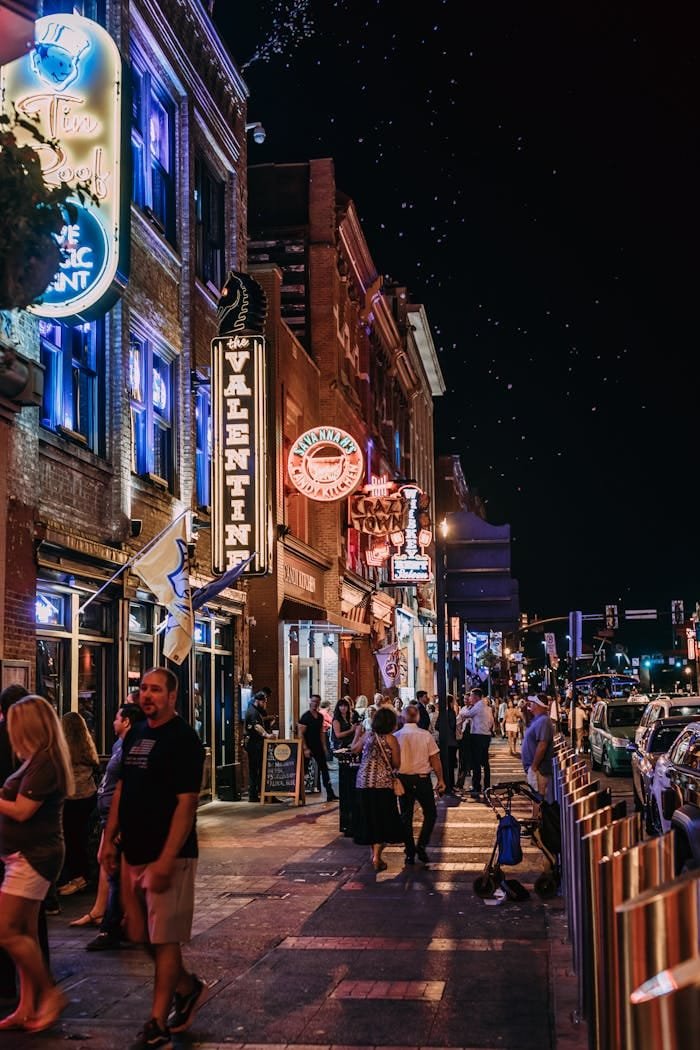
x=510 y=851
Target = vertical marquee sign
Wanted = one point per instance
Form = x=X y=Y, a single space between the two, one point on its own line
x=240 y=514
x=412 y=565
x=71 y=85
x=239 y=491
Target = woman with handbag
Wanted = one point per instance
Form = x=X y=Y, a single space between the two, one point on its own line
x=376 y=810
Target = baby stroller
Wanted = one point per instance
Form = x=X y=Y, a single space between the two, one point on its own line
x=546 y=835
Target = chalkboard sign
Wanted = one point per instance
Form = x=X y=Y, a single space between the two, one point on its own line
x=282 y=770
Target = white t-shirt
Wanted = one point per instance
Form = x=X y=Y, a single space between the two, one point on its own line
x=417 y=745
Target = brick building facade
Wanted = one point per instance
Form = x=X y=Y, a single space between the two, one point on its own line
x=354 y=354
x=115 y=445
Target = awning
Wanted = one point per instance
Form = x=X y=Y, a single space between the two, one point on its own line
x=292 y=609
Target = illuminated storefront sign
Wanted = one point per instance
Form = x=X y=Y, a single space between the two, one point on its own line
x=377 y=515
x=412 y=565
x=70 y=86
x=239 y=460
x=325 y=464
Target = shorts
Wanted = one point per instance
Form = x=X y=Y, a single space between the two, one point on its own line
x=21 y=879
x=541 y=783
x=158 y=918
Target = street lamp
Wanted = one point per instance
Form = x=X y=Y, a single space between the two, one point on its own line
x=259 y=133
x=441 y=612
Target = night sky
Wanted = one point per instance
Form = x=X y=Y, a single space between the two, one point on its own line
x=529 y=170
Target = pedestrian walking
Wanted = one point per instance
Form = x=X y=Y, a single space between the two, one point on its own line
x=512 y=722
x=106 y=911
x=154 y=815
x=311 y=727
x=502 y=707
x=79 y=805
x=376 y=814
x=480 y=717
x=32 y=850
x=420 y=758
x=538 y=747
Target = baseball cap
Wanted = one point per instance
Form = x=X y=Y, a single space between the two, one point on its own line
x=537 y=700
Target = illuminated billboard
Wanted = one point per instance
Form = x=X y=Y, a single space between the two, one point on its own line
x=71 y=86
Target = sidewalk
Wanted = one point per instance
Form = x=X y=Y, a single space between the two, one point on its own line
x=302 y=944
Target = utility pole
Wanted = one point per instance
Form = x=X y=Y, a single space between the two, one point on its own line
x=441 y=611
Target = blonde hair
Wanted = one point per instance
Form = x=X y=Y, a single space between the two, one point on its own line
x=81 y=746
x=33 y=727
x=361 y=702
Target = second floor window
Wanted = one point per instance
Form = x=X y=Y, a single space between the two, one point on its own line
x=153 y=148
x=209 y=218
x=71 y=356
x=203 y=449
x=151 y=392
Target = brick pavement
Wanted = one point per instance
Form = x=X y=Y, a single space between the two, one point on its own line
x=303 y=945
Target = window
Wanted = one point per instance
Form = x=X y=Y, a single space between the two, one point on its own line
x=209 y=224
x=203 y=447
x=153 y=148
x=151 y=391
x=71 y=357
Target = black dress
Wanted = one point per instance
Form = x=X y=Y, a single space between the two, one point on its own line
x=376 y=813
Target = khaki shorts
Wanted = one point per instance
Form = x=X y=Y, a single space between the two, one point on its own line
x=158 y=918
x=21 y=880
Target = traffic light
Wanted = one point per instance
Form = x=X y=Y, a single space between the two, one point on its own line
x=523 y=620
x=575 y=634
x=611 y=617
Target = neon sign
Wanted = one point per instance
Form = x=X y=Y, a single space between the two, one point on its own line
x=239 y=460
x=71 y=86
x=412 y=565
x=325 y=464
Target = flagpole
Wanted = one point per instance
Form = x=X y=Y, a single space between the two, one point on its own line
x=131 y=560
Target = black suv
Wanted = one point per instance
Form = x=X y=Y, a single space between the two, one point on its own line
x=679 y=787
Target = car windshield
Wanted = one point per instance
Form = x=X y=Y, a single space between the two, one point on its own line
x=686 y=709
x=664 y=737
x=629 y=715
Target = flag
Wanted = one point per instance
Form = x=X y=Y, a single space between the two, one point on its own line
x=389 y=664
x=164 y=568
x=210 y=590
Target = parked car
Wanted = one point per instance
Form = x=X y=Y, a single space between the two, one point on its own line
x=665 y=707
x=674 y=798
x=656 y=740
x=612 y=727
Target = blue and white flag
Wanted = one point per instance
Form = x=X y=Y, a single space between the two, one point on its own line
x=164 y=568
x=210 y=590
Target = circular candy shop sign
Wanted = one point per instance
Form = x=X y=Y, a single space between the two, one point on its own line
x=325 y=464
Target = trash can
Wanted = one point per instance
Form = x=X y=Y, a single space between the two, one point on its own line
x=228 y=782
x=348 y=765
x=666 y=1009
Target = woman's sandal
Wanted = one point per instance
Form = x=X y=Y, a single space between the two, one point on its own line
x=14 y=1022
x=87 y=920
x=49 y=1013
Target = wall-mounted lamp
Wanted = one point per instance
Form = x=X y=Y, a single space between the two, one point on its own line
x=259 y=134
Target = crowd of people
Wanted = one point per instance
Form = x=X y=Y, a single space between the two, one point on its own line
x=146 y=804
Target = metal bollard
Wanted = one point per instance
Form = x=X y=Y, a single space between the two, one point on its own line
x=666 y=1009
x=622 y=878
x=582 y=807
x=596 y=843
x=572 y=790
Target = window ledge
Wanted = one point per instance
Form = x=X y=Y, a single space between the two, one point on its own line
x=155 y=479
x=72 y=435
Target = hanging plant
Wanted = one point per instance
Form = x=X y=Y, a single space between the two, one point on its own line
x=32 y=215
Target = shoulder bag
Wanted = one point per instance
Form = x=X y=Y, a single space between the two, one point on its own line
x=399 y=789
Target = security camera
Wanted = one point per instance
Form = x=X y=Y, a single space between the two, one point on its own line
x=258 y=132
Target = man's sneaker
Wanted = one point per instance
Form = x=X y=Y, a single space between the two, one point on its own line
x=104 y=942
x=186 y=1006
x=422 y=855
x=152 y=1037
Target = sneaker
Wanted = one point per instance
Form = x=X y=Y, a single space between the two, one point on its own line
x=74 y=886
x=186 y=1006
x=422 y=855
x=104 y=942
x=151 y=1037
